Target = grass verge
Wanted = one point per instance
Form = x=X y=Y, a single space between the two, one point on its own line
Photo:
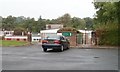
x=12 y=43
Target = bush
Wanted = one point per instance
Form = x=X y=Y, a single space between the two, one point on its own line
x=110 y=38
x=108 y=34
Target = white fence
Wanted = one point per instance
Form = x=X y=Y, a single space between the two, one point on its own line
x=36 y=39
x=22 y=38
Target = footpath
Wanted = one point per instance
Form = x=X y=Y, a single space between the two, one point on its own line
x=96 y=46
x=89 y=46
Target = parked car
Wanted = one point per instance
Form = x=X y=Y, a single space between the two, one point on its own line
x=55 y=42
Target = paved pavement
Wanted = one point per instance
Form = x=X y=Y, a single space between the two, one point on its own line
x=33 y=58
x=96 y=46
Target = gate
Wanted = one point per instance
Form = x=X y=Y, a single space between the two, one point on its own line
x=79 y=38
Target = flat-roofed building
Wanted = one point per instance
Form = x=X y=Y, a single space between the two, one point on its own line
x=54 y=26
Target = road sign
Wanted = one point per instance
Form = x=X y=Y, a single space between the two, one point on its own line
x=66 y=34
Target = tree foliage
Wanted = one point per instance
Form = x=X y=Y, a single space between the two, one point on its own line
x=19 y=31
x=30 y=24
x=65 y=19
x=106 y=12
x=106 y=22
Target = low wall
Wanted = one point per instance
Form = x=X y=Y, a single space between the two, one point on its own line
x=22 y=38
x=18 y=38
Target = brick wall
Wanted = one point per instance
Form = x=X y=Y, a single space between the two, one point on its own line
x=73 y=39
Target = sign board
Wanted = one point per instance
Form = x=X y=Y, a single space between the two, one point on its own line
x=66 y=34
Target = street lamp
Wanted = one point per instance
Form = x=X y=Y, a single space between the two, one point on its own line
x=29 y=36
x=27 y=30
x=85 y=35
x=3 y=32
x=3 y=37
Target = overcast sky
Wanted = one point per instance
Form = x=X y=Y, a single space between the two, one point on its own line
x=48 y=9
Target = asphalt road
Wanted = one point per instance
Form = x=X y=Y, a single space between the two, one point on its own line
x=33 y=58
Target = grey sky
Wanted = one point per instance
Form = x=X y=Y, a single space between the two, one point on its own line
x=48 y=9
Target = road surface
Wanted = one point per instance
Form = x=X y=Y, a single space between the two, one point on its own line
x=33 y=58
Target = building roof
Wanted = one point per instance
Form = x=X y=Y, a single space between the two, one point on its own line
x=68 y=29
x=55 y=31
x=54 y=26
x=83 y=31
x=49 y=31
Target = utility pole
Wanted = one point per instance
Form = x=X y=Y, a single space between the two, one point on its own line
x=29 y=36
x=85 y=35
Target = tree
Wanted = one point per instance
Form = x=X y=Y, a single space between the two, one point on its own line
x=28 y=24
x=117 y=5
x=19 y=30
x=106 y=12
x=8 y=23
x=1 y=22
x=75 y=22
x=65 y=19
x=78 y=23
x=40 y=24
x=88 y=23
x=106 y=22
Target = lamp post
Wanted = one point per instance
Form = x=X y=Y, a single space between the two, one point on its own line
x=3 y=37
x=3 y=32
x=85 y=35
x=29 y=36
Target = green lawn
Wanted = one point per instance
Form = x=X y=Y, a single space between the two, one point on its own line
x=12 y=43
